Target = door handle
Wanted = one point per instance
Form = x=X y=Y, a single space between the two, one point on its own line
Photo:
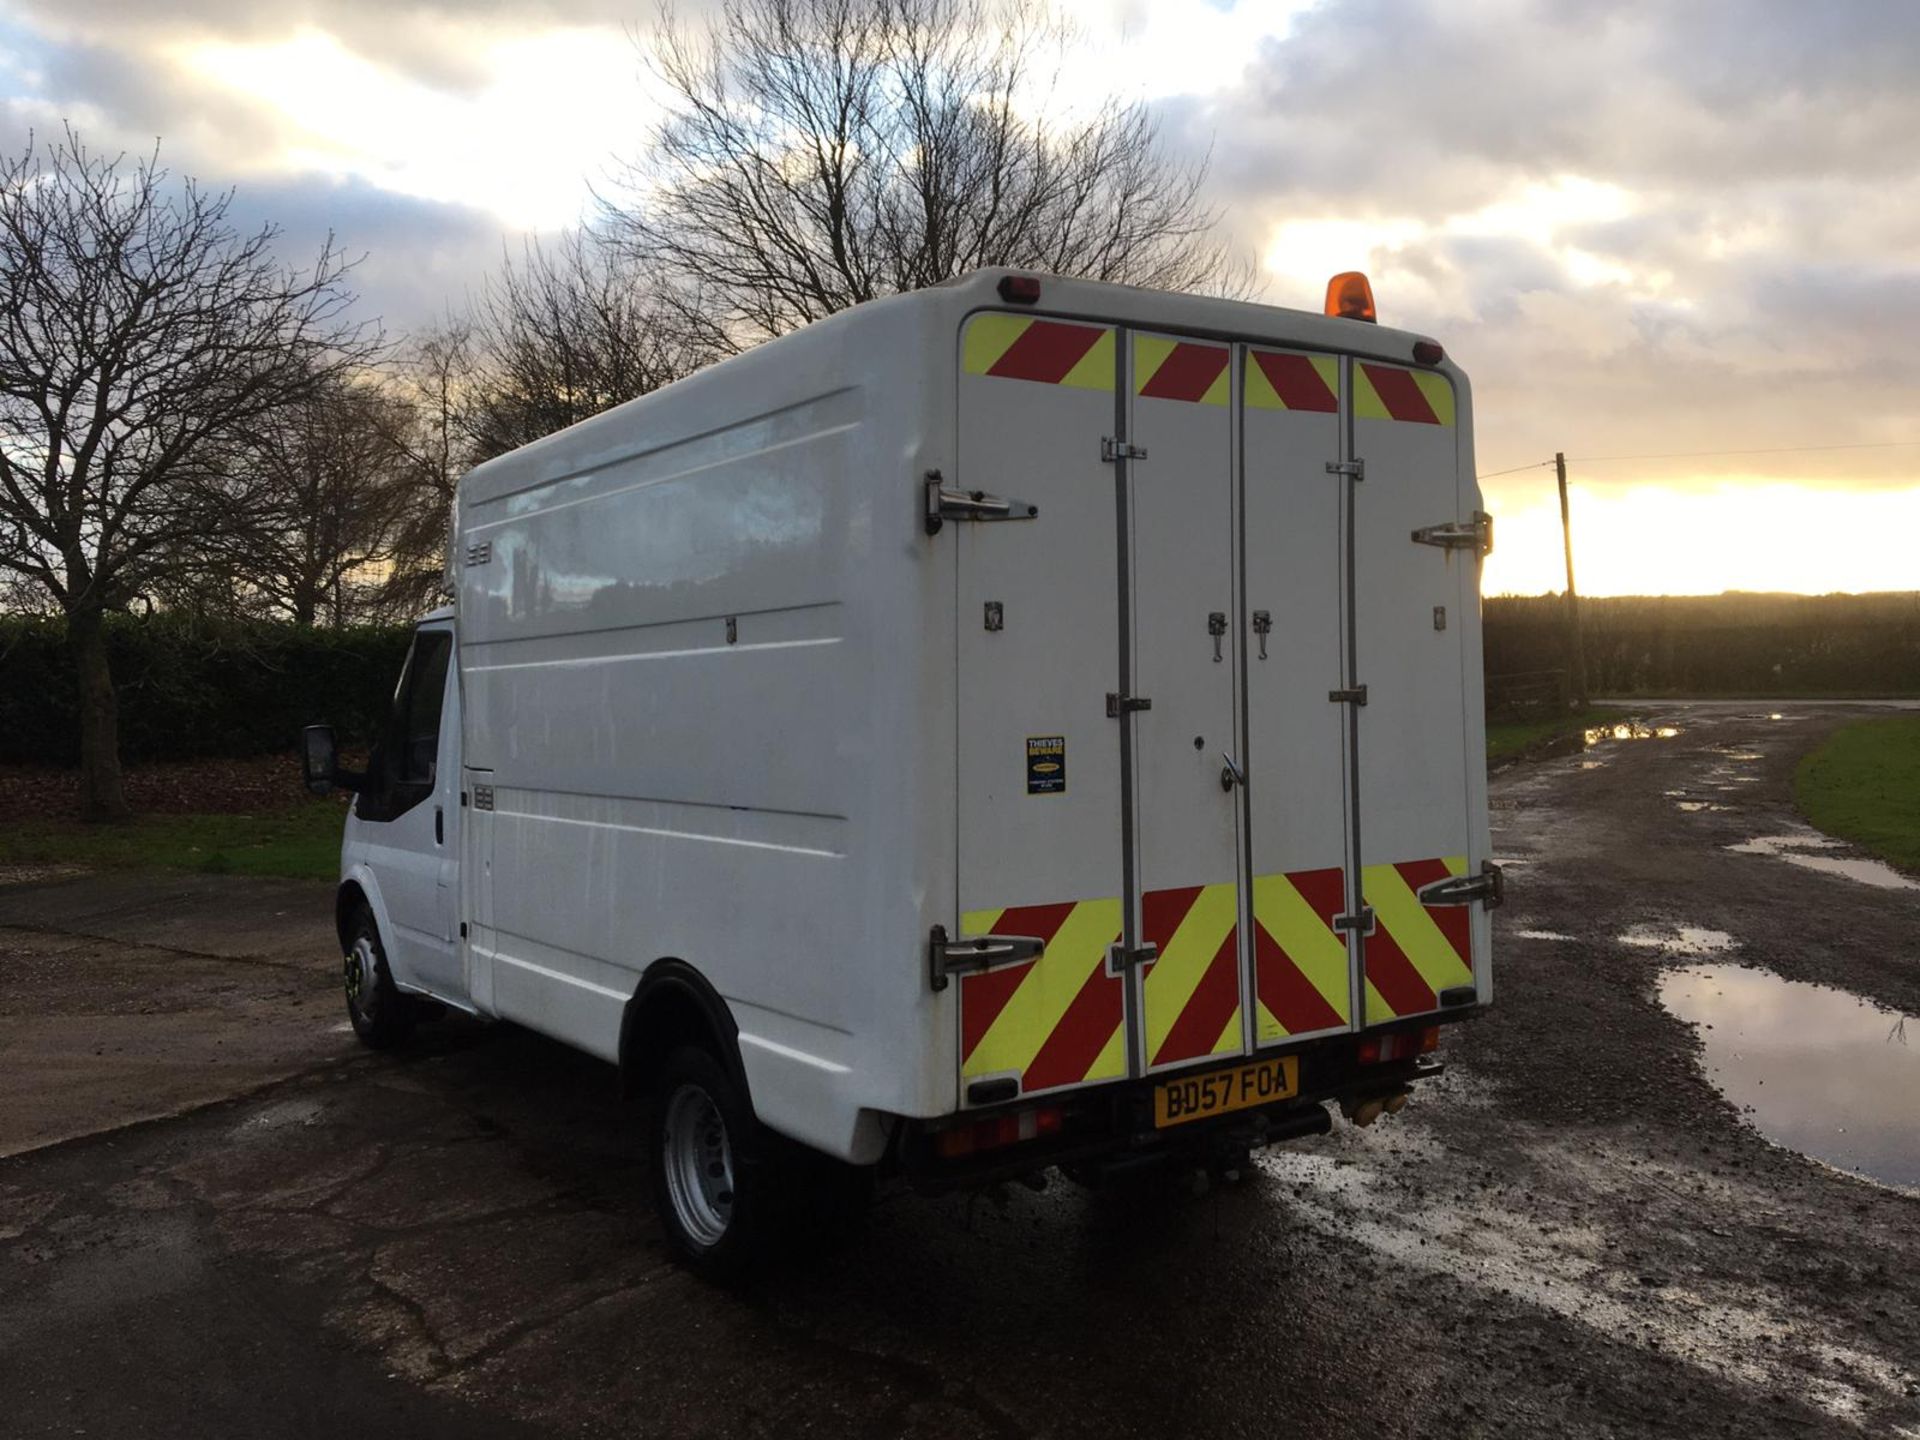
x=439 y=826
x=1231 y=774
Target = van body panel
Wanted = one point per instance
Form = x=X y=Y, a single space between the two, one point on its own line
x=736 y=699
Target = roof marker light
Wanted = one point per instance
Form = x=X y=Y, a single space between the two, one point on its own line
x=1350 y=297
x=1019 y=289
x=1428 y=352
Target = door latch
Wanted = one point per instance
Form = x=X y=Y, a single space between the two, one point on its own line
x=966 y=954
x=1475 y=534
x=1216 y=627
x=1359 y=922
x=1230 y=773
x=1263 y=626
x=944 y=505
x=1118 y=704
x=1113 y=451
x=1352 y=695
x=1120 y=959
x=1353 y=469
x=1489 y=887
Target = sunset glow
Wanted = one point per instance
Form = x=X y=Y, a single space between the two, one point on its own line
x=1641 y=256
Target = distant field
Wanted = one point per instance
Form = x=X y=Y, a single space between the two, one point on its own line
x=1507 y=739
x=1736 y=645
x=302 y=841
x=1863 y=785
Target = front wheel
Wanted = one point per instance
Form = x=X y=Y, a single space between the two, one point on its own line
x=381 y=1015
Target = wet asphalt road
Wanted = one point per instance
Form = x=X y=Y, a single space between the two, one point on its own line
x=1569 y=1234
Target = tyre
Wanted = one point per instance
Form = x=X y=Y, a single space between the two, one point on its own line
x=713 y=1187
x=381 y=1015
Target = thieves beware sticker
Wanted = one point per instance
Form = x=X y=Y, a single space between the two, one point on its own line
x=1046 y=765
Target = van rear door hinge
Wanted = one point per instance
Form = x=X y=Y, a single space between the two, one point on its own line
x=1355 y=468
x=1118 y=704
x=1353 y=695
x=944 y=505
x=1489 y=887
x=1475 y=534
x=962 y=956
x=1360 y=920
x=1112 y=451
x=1120 y=959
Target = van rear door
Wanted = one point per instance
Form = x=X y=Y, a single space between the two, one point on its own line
x=1214 y=734
x=1415 y=590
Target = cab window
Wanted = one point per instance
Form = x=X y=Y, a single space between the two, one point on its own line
x=405 y=759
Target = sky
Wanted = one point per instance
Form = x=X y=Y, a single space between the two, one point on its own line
x=1653 y=234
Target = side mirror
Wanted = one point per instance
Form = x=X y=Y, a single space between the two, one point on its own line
x=319 y=759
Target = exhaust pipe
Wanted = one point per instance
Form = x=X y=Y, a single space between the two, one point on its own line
x=1364 y=1112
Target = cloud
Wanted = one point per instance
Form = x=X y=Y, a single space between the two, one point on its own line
x=1642 y=228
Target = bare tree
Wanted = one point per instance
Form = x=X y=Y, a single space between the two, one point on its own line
x=820 y=153
x=440 y=396
x=569 y=329
x=573 y=328
x=141 y=336
x=324 y=470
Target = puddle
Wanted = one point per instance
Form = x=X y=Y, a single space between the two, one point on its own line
x=1694 y=807
x=1631 y=730
x=1542 y=935
x=1679 y=940
x=1817 y=1070
x=1802 y=850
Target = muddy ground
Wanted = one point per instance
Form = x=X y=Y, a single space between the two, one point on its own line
x=1569 y=1234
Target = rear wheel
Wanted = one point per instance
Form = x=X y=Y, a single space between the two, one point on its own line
x=381 y=1015
x=711 y=1185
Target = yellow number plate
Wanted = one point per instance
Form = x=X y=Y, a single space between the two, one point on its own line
x=1175 y=1102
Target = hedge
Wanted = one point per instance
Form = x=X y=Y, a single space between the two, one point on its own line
x=190 y=688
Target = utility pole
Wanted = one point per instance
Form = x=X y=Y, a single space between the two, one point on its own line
x=1576 y=646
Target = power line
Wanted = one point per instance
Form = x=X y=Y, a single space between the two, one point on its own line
x=1703 y=455
x=1536 y=465
x=1769 y=450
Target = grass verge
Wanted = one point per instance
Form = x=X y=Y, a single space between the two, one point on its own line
x=1508 y=740
x=1863 y=785
x=302 y=842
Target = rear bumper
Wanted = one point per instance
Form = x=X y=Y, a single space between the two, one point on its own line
x=1112 y=1126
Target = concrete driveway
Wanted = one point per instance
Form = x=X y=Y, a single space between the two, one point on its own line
x=1573 y=1233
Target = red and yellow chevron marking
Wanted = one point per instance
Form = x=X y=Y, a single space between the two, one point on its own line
x=1287 y=380
x=1414 y=952
x=1050 y=352
x=1059 y=1020
x=1299 y=961
x=1052 y=1021
x=1192 y=991
x=1390 y=392
x=1179 y=370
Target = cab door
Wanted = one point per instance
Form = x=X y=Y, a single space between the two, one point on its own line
x=408 y=822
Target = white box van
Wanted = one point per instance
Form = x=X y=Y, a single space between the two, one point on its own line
x=1027 y=722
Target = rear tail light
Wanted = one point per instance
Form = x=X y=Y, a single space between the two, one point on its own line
x=997 y=1131
x=1350 y=297
x=1402 y=1045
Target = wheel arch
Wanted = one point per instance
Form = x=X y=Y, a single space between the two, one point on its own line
x=673 y=1004
x=347 y=900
